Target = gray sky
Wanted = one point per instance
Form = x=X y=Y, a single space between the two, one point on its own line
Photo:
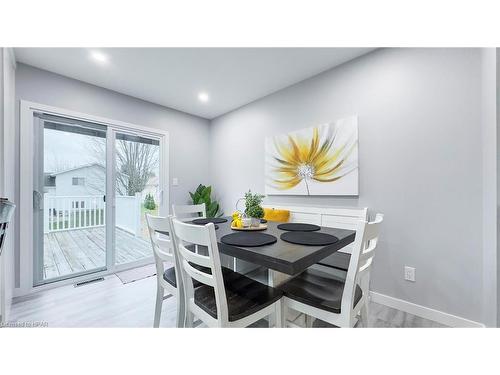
x=66 y=150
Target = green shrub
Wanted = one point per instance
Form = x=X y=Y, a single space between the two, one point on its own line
x=149 y=202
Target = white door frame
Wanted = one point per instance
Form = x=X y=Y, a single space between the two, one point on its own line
x=27 y=110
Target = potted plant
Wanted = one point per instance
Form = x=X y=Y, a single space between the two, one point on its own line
x=201 y=195
x=253 y=208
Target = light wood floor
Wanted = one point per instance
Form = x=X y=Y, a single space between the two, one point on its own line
x=110 y=303
x=77 y=250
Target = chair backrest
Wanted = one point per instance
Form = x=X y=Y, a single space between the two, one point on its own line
x=162 y=246
x=6 y=212
x=361 y=261
x=187 y=234
x=189 y=212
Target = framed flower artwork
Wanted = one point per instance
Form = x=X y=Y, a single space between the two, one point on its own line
x=321 y=160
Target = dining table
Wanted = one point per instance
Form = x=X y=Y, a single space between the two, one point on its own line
x=282 y=259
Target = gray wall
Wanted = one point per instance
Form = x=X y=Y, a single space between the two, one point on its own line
x=420 y=163
x=188 y=134
x=498 y=183
x=489 y=132
x=7 y=165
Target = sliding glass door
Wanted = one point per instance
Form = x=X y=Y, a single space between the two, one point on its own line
x=137 y=192
x=93 y=185
x=69 y=198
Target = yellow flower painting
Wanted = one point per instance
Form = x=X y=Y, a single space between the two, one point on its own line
x=321 y=160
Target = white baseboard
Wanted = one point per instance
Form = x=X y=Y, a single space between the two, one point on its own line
x=424 y=312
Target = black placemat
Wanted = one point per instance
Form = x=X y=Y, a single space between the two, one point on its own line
x=215 y=220
x=248 y=239
x=309 y=238
x=298 y=227
x=215 y=225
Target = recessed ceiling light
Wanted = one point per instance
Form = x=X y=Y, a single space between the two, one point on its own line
x=203 y=97
x=99 y=57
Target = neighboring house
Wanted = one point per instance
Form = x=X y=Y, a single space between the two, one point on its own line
x=49 y=183
x=88 y=179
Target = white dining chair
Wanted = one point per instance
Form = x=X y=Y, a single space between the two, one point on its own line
x=342 y=218
x=226 y=298
x=189 y=212
x=333 y=299
x=168 y=279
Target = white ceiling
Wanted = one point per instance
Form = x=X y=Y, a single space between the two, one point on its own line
x=173 y=77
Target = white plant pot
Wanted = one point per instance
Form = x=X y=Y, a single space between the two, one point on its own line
x=255 y=221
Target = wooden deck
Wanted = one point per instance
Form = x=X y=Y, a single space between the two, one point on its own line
x=78 y=250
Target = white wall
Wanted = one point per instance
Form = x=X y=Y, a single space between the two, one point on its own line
x=7 y=167
x=498 y=183
x=420 y=163
x=188 y=134
x=489 y=132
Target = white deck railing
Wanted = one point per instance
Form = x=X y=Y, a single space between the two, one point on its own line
x=71 y=212
x=88 y=211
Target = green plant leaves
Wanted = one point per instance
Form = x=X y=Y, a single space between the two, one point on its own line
x=203 y=194
x=253 y=205
x=212 y=209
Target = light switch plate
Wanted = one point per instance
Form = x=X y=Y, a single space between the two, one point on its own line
x=410 y=273
x=175 y=181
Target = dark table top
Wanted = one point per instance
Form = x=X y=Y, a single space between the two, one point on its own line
x=283 y=256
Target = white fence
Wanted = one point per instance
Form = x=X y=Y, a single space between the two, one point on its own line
x=77 y=212
x=128 y=213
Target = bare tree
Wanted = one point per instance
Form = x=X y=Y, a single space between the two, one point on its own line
x=135 y=164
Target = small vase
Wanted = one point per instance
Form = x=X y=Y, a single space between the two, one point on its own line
x=255 y=222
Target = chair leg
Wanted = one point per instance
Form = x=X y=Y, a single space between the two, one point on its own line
x=189 y=319
x=364 y=314
x=159 y=303
x=280 y=315
x=309 y=320
x=181 y=315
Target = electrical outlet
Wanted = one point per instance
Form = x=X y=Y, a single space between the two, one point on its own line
x=175 y=181
x=409 y=273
